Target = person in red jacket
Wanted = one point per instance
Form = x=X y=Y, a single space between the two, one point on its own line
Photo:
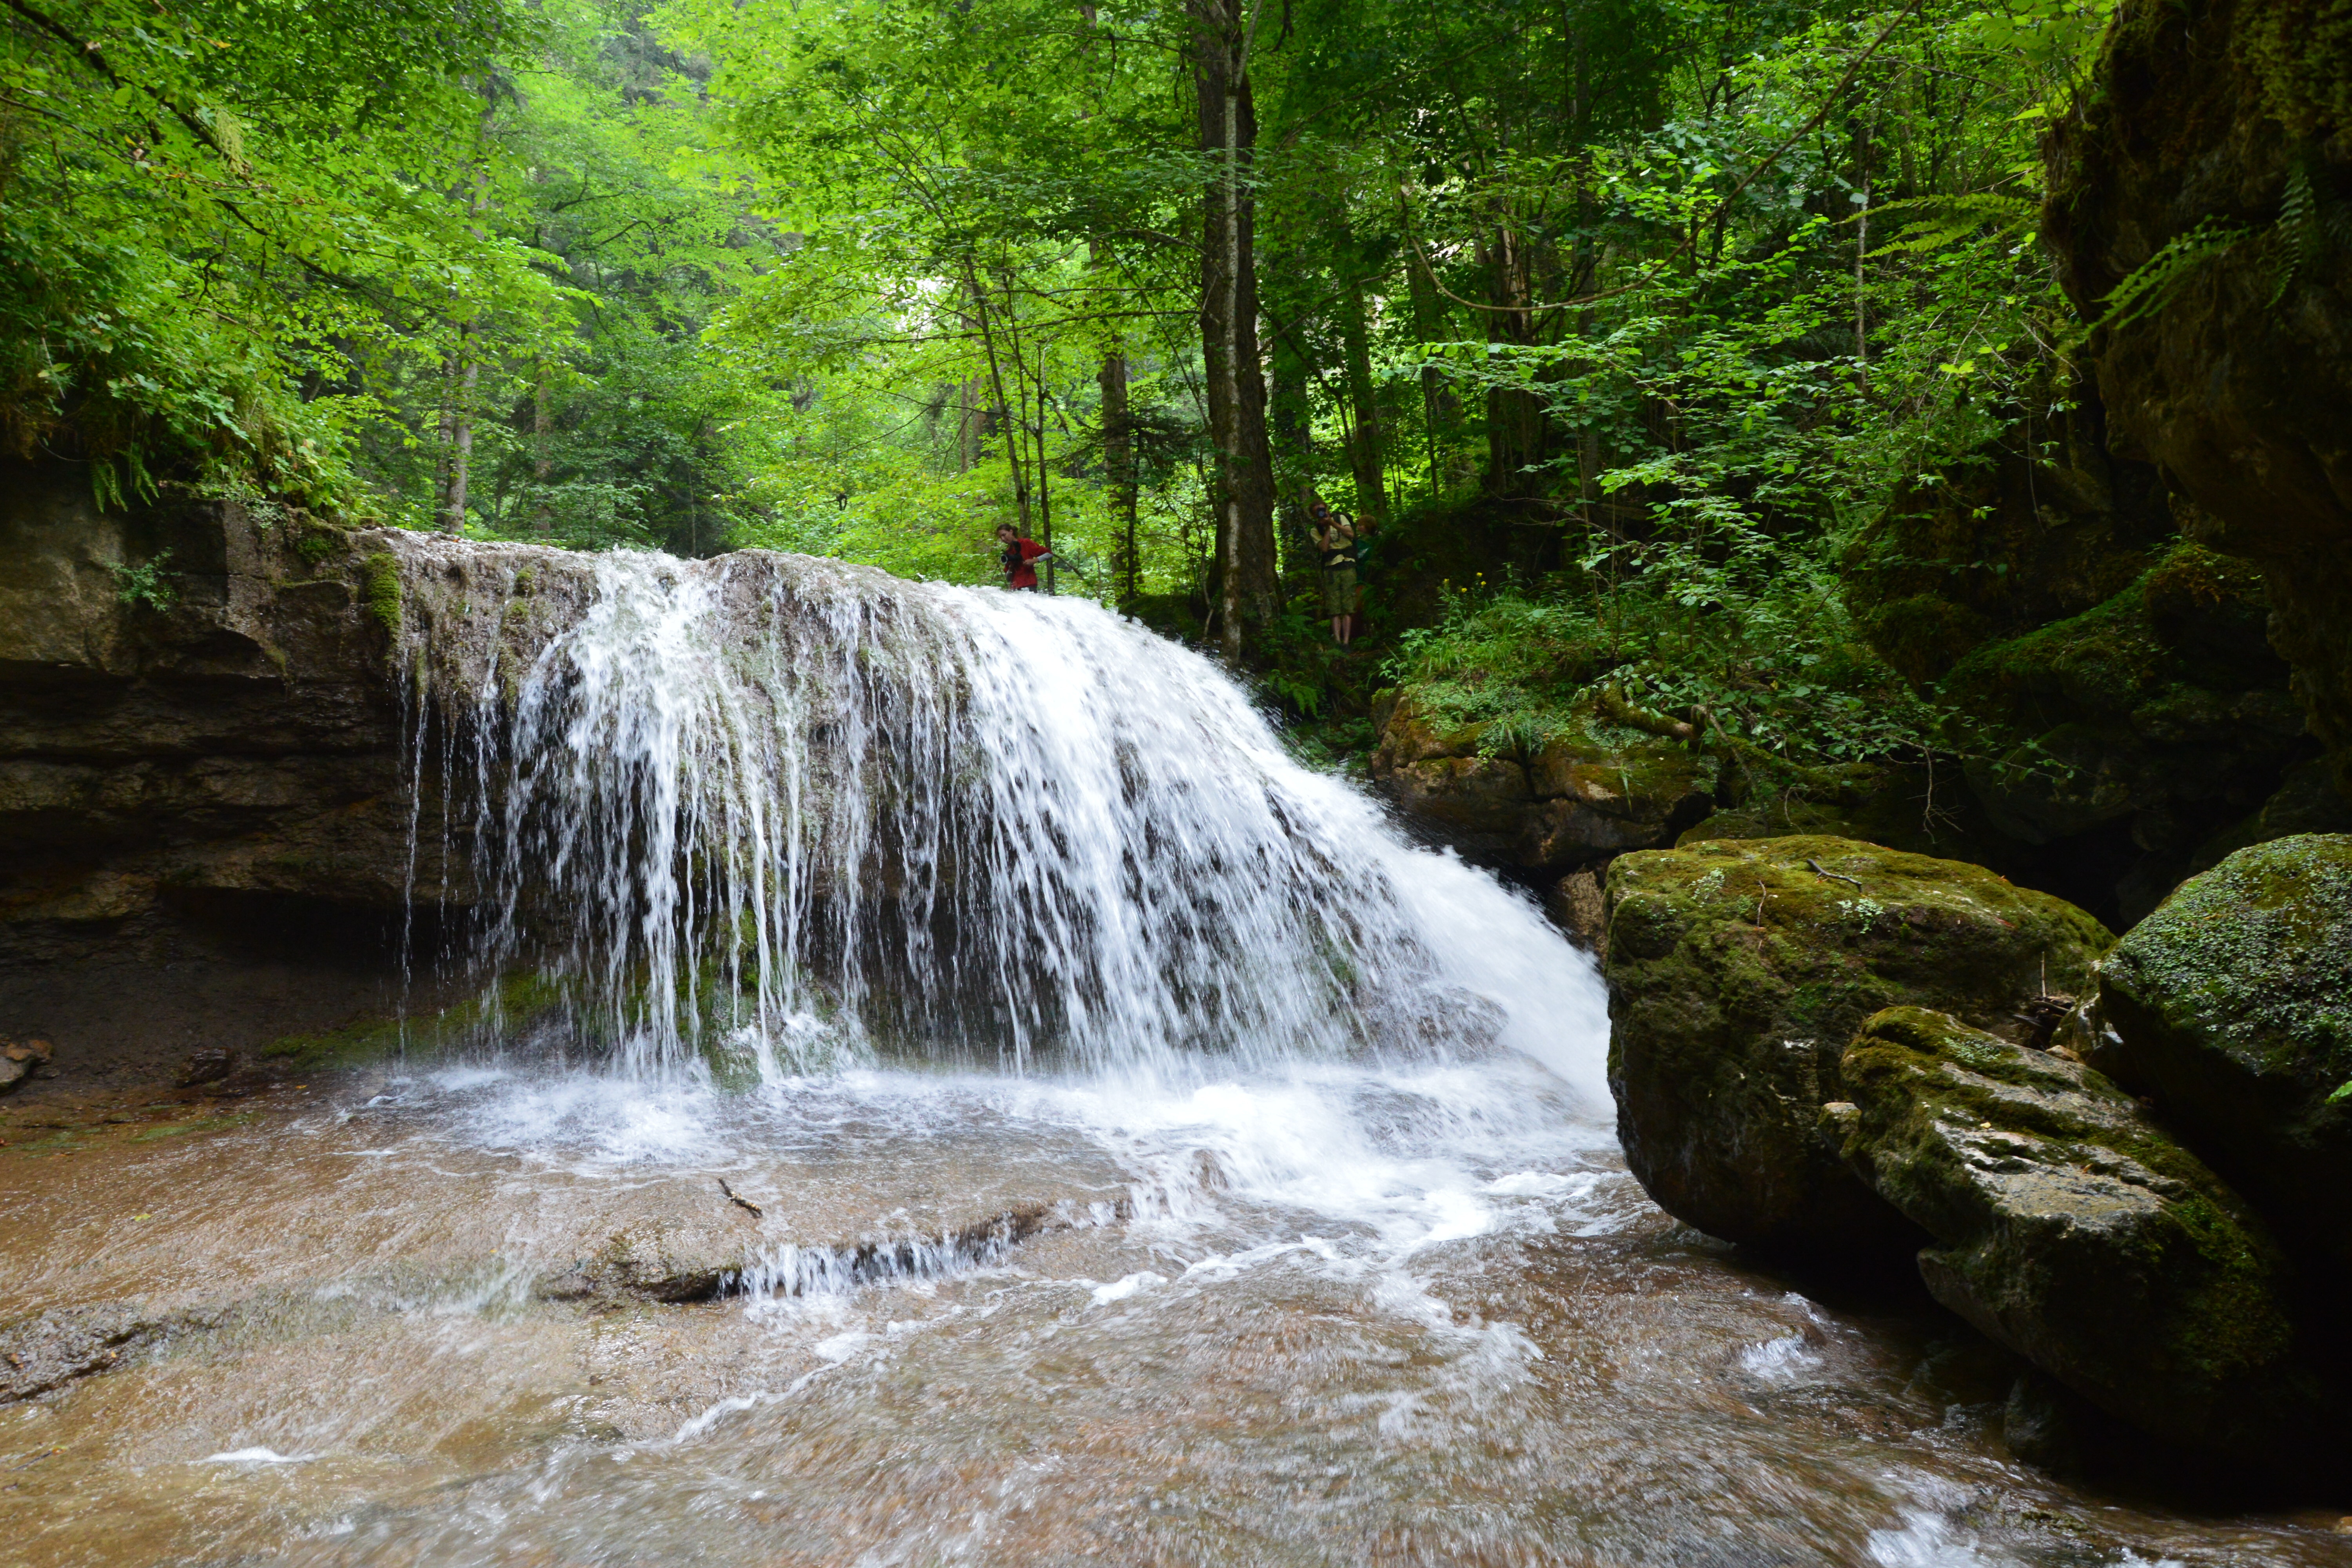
x=1019 y=557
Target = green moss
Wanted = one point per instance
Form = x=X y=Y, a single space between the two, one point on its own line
x=2300 y=51
x=2113 y=658
x=2154 y=694
x=1738 y=969
x=319 y=541
x=2098 y=662
x=2256 y=956
x=1925 y=635
x=2189 y=570
x=515 y=1001
x=2070 y=1216
x=381 y=574
x=196 y=1124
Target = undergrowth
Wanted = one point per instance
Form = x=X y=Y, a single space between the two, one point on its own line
x=1768 y=658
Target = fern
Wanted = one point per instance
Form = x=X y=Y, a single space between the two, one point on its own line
x=2151 y=283
x=2311 y=219
x=1955 y=219
x=146 y=585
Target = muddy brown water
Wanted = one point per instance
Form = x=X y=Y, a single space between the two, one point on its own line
x=1352 y=1316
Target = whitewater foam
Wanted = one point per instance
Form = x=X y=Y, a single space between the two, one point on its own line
x=765 y=816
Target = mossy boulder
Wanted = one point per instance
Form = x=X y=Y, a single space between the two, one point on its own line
x=2162 y=705
x=2070 y=1228
x=1584 y=790
x=1739 y=970
x=2036 y=526
x=2232 y=1006
x=1455 y=776
x=1601 y=788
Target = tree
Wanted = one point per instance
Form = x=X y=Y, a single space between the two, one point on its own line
x=1224 y=33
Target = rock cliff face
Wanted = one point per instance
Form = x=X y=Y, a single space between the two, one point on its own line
x=2218 y=128
x=205 y=826
x=2111 y=684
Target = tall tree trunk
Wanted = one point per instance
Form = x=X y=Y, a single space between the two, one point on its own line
x=1292 y=431
x=1118 y=467
x=1437 y=401
x=1044 y=481
x=1861 y=252
x=1002 y=419
x=1221 y=37
x=461 y=375
x=967 y=417
x=1516 y=422
x=1364 y=441
x=542 y=464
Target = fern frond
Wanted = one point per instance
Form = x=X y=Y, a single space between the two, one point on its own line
x=2147 y=286
x=2298 y=226
x=1955 y=219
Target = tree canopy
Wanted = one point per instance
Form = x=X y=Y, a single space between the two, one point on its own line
x=1665 y=296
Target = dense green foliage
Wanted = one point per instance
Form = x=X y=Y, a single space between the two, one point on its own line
x=319 y=250
x=1649 y=302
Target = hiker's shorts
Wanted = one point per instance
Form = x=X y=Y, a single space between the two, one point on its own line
x=1341 y=595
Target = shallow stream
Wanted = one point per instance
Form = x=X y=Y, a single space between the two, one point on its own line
x=997 y=1109
x=1339 y=1315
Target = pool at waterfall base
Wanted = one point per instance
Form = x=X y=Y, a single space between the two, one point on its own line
x=1347 y=1313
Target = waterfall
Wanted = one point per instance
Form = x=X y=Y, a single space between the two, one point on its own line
x=775 y=815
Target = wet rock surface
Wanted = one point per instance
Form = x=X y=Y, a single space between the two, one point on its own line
x=204 y=828
x=2071 y=1228
x=20 y=1059
x=1738 y=972
x=1582 y=1380
x=669 y=1262
x=2231 y=1007
x=50 y=1349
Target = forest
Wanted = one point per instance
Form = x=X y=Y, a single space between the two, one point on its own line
x=1614 y=321
x=1663 y=871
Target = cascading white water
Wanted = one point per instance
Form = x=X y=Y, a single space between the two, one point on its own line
x=796 y=812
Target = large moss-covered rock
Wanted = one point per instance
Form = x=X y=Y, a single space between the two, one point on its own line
x=2228 y=119
x=1589 y=790
x=2232 y=1007
x=1739 y=970
x=2073 y=1230
x=2037 y=526
x=2162 y=705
